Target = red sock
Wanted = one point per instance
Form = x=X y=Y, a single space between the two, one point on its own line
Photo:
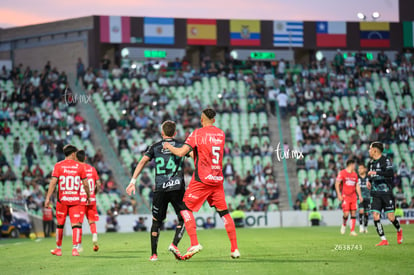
x=353 y=221
x=59 y=236
x=76 y=235
x=190 y=226
x=231 y=231
x=93 y=228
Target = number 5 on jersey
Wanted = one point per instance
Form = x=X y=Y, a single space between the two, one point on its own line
x=216 y=154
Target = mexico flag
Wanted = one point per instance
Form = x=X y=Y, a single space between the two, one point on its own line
x=115 y=29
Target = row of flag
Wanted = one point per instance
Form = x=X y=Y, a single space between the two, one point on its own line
x=161 y=31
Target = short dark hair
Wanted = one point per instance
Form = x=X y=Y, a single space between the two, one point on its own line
x=81 y=155
x=168 y=127
x=209 y=113
x=378 y=145
x=350 y=161
x=69 y=149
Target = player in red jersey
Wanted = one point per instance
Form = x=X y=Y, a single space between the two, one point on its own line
x=70 y=174
x=349 y=179
x=207 y=144
x=90 y=209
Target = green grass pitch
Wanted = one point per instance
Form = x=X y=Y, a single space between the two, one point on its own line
x=321 y=250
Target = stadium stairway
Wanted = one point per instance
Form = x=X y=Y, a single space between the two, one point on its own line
x=100 y=140
x=285 y=169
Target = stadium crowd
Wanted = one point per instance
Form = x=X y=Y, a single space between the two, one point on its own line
x=39 y=102
x=320 y=132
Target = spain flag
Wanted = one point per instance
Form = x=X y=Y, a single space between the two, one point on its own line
x=374 y=34
x=201 y=32
x=245 y=32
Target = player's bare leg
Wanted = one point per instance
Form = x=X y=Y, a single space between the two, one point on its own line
x=231 y=232
x=397 y=226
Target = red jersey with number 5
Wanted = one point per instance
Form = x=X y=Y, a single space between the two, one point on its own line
x=207 y=144
x=70 y=174
x=349 y=182
x=92 y=178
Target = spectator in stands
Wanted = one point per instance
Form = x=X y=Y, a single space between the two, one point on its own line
x=144 y=182
x=399 y=194
x=111 y=222
x=209 y=224
x=282 y=100
x=246 y=149
x=256 y=150
x=236 y=151
x=30 y=154
x=3 y=160
x=404 y=204
x=139 y=225
x=403 y=170
x=228 y=169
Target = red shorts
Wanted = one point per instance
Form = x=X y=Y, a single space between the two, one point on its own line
x=74 y=212
x=349 y=204
x=91 y=213
x=198 y=192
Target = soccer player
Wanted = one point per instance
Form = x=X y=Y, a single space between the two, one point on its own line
x=380 y=177
x=364 y=206
x=169 y=187
x=70 y=174
x=349 y=179
x=90 y=209
x=207 y=144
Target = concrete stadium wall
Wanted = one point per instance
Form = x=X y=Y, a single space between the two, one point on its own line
x=63 y=56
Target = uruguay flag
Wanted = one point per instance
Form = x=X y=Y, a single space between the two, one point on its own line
x=159 y=30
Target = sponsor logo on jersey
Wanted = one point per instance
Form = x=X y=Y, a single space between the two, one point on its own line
x=171 y=183
x=215 y=167
x=64 y=198
x=211 y=177
x=66 y=171
x=215 y=140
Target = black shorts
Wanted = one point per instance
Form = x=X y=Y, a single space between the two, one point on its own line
x=160 y=204
x=383 y=202
x=365 y=205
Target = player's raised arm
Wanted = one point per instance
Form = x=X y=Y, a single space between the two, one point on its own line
x=52 y=186
x=131 y=187
x=179 y=152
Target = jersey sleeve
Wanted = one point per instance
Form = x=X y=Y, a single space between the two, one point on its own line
x=387 y=169
x=82 y=172
x=192 y=139
x=150 y=152
x=55 y=172
x=340 y=177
